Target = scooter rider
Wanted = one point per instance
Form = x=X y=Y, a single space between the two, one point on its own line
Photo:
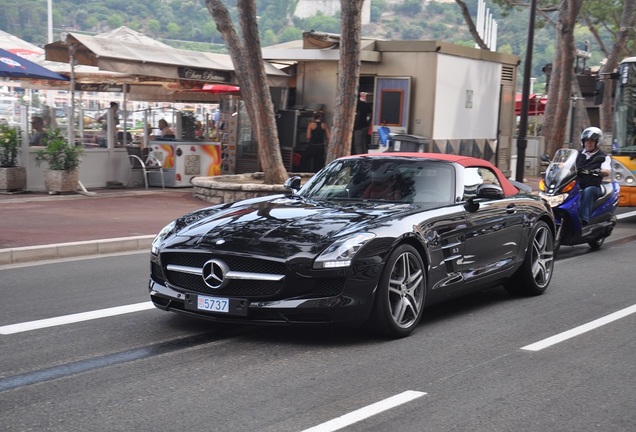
x=591 y=170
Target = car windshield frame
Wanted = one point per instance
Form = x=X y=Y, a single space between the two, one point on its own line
x=384 y=179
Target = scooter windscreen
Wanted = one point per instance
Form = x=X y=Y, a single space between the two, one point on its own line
x=562 y=168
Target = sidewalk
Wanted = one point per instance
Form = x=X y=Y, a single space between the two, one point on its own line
x=38 y=226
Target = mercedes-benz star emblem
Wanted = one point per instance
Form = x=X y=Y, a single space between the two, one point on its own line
x=214 y=272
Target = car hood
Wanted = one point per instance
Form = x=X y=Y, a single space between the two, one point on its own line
x=284 y=219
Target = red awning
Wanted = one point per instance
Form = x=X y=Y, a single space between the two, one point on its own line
x=219 y=88
x=536 y=105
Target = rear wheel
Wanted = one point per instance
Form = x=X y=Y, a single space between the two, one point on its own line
x=535 y=273
x=400 y=298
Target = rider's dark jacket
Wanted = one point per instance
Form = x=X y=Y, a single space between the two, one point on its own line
x=584 y=164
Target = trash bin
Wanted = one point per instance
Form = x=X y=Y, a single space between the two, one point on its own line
x=407 y=143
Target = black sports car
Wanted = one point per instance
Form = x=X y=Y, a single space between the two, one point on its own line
x=369 y=239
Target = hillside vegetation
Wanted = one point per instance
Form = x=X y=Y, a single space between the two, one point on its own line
x=188 y=24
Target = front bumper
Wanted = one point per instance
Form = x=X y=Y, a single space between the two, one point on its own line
x=339 y=309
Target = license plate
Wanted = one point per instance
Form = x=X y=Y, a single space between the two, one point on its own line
x=213 y=304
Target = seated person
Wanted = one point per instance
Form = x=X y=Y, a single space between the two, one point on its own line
x=38 y=136
x=120 y=137
x=164 y=127
x=383 y=188
x=101 y=137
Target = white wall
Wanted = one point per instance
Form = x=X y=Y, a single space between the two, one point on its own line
x=466 y=98
x=98 y=167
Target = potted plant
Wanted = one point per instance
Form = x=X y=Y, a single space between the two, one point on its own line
x=63 y=161
x=12 y=176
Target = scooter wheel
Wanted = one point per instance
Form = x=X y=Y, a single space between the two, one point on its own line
x=596 y=244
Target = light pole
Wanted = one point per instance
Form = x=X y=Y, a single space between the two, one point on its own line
x=522 y=137
x=49 y=4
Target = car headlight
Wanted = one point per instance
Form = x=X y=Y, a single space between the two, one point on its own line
x=622 y=175
x=554 y=200
x=341 y=252
x=165 y=231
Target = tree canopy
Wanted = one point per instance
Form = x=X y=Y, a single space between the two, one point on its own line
x=187 y=24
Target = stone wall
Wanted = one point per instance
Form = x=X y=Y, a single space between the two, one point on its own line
x=229 y=188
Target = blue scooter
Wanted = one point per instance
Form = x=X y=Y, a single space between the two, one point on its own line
x=561 y=190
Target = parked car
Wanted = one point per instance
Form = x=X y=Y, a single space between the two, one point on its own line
x=368 y=240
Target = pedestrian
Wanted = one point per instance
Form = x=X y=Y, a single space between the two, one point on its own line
x=318 y=135
x=114 y=108
x=164 y=127
x=38 y=135
x=103 y=119
x=592 y=165
x=361 y=126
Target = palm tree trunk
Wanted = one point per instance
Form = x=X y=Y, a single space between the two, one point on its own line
x=250 y=72
x=348 y=79
x=560 y=90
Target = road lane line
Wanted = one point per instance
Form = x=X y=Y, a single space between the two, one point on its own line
x=366 y=412
x=74 y=318
x=626 y=215
x=553 y=340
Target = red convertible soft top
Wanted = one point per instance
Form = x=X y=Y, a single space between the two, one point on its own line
x=467 y=161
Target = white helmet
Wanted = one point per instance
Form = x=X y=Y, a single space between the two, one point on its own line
x=592 y=133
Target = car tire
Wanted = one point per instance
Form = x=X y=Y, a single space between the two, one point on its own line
x=534 y=275
x=399 y=299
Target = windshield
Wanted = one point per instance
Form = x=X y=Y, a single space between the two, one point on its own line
x=400 y=180
x=624 y=134
x=562 y=167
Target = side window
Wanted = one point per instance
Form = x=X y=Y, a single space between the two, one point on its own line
x=475 y=176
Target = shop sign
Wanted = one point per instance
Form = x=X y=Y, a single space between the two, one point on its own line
x=103 y=87
x=203 y=74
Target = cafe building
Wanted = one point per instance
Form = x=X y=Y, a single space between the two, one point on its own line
x=457 y=99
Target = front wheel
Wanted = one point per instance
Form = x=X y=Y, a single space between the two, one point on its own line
x=534 y=275
x=400 y=297
x=597 y=243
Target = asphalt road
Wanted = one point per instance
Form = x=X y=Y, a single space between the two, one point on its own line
x=472 y=365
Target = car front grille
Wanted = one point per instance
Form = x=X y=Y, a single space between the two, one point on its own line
x=236 y=263
x=329 y=287
x=171 y=272
x=156 y=273
x=240 y=288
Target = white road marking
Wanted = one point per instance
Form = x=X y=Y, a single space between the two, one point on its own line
x=78 y=317
x=553 y=340
x=626 y=215
x=366 y=412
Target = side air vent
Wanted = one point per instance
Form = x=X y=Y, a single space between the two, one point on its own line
x=507 y=74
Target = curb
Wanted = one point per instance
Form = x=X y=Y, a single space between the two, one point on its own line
x=27 y=254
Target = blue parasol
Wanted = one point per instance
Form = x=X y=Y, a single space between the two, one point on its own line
x=15 y=67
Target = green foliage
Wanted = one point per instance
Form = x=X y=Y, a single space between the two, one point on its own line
x=412 y=32
x=153 y=25
x=290 y=34
x=9 y=145
x=378 y=7
x=115 y=21
x=188 y=24
x=173 y=30
x=409 y=7
x=323 y=23
x=58 y=154
x=269 y=38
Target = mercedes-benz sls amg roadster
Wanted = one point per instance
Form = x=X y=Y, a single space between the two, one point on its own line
x=369 y=240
